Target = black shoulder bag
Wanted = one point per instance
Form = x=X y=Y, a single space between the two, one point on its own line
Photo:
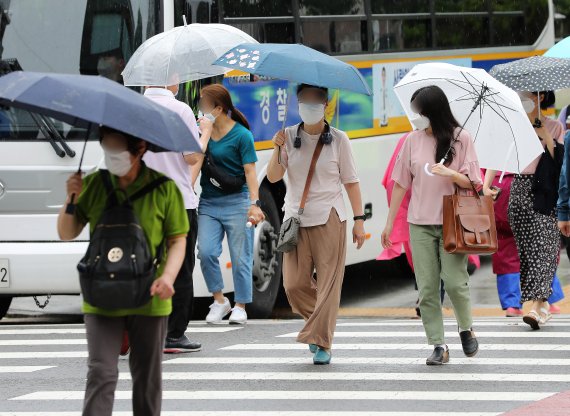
x=118 y=270
x=219 y=177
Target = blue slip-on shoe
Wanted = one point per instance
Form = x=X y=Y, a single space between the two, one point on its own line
x=313 y=348
x=322 y=357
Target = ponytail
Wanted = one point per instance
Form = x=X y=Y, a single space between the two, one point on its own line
x=238 y=117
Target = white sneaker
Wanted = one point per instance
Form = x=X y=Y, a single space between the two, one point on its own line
x=238 y=316
x=218 y=311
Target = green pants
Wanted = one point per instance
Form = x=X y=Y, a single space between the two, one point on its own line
x=431 y=265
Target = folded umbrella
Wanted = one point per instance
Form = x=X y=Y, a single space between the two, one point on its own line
x=182 y=54
x=491 y=112
x=294 y=62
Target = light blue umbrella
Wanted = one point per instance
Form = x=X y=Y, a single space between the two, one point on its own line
x=560 y=50
x=294 y=62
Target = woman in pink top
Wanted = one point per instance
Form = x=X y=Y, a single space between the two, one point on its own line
x=436 y=159
x=400 y=236
x=531 y=214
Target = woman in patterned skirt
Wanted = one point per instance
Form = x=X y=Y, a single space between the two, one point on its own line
x=531 y=212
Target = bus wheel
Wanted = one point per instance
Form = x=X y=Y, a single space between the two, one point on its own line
x=266 y=259
x=5 y=302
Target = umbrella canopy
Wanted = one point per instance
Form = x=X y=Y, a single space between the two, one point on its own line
x=182 y=54
x=560 y=50
x=491 y=112
x=296 y=63
x=537 y=73
x=83 y=100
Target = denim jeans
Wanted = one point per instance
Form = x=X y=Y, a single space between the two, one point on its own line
x=219 y=216
x=509 y=288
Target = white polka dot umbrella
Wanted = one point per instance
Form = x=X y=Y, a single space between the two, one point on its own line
x=537 y=73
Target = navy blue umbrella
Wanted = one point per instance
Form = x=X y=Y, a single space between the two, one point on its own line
x=85 y=100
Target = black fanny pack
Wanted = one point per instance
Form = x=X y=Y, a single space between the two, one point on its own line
x=218 y=177
x=118 y=269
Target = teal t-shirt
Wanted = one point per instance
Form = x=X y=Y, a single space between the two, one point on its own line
x=230 y=153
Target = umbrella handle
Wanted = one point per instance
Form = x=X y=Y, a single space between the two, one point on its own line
x=70 y=208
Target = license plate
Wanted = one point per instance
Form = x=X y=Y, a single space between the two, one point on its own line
x=4 y=273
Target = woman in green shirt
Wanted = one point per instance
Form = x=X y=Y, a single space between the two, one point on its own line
x=162 y=216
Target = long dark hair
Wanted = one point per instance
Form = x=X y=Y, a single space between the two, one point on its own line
x=220 y=96
x=432 y=103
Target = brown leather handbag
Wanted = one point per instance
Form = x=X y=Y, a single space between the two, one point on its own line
x=469 y=224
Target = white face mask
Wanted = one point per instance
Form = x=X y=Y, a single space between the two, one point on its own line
x=528 y=105
x=420 y=122
x=118 y=162
x=208 y=116
x=311 y=113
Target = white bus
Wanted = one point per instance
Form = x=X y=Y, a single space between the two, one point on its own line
x=383 y=38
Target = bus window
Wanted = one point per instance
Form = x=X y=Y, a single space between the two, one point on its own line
x=397 y=35
x=399 y=6
x=269 y=32
x=518 y=22
x=196 y=11
x=256 y=8
x=107 y=38
x=456 y=32
x=335 y=36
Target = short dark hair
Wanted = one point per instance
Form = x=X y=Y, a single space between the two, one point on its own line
x=549 y=99
x=324 y=91
x=133 y=143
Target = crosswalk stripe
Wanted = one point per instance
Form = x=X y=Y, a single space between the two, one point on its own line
x=369 y=361
x=264 y=413
x=46 y=331
x=307 y=395
x=407 y=334
x=23 y=368
x=398 y=346
x=508 y=324
x=303 y=360
x=43 y=354
x=31 y=342
x=543 y=378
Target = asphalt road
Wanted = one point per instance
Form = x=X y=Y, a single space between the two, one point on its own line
x=378 y=369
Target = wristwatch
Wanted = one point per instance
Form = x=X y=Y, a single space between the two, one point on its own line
x=257 y=203
x=360 y=217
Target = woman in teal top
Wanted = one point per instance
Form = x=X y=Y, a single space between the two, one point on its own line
x=163 y=217
x=229 y=143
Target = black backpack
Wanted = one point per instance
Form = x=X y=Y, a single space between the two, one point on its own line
x=118 y=270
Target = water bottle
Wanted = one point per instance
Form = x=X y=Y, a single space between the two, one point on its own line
x=250 y=222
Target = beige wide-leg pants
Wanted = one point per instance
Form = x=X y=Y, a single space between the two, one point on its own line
x=321 y=248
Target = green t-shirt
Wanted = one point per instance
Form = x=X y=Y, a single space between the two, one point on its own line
x=161 y=214
x=230 y=153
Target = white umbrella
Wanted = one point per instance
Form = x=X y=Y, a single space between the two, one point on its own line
x=182 y=54
x=490 y=111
